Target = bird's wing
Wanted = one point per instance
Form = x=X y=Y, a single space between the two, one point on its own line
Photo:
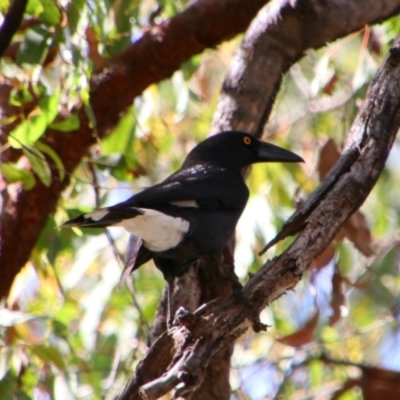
x=154 y=214
x=206 y=187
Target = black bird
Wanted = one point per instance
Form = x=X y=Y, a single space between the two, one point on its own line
x=194 y=211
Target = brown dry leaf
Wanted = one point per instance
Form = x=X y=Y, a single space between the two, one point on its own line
x=374 y=43
x=338 y=300
x=377 y=384
x=362 y=282
x=304 y=335
x=356 y=228
x=93 y=53
x=349 y=384
x=324 y=258
x=357 y=231
x=331 y=85
x=329 y=154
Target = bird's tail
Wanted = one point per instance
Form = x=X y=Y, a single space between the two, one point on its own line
x=102 y=218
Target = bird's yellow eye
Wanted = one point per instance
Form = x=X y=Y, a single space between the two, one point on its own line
x=247 y=140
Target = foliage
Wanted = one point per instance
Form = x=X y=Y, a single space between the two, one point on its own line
x=68 y=331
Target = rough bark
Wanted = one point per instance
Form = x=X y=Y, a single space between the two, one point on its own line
x=202 y=335
x=276 y=39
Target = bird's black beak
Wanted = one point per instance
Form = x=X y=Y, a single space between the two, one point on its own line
x=270 y=153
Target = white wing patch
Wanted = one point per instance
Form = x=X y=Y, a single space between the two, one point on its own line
x=185 y=203
x=158 y=231
x=97 y=215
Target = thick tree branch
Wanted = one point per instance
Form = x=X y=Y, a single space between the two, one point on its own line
x=11 y=23
x=276 y=39
x=152 y=58
x=199 y=338
x=155 y=56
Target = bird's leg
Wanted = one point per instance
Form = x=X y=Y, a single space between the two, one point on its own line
x=170 y=287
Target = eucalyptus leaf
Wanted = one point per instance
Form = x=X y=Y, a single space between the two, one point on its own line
x=13 y=174
x=39 y=165
x=54 y=156
x=69 y=124
x=51 y=13
x=30 y=130
x=33 y=49
x=50 y=354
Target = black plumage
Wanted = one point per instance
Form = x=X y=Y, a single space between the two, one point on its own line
x=194 y=211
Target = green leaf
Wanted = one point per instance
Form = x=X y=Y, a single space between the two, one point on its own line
x=380 y=293
x=44 y=148
x=34 y=7
x=69 y=124
x=33 y=49
x=12 y=173
x=50 y=354
x=75 y=11
x=51 y=13
x=386 y=261
x=30 y=130
x=4 y=4
x=121 y=137
x=38 y=164
x=20 y=95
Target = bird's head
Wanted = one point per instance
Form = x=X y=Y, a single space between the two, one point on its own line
x=237 y=150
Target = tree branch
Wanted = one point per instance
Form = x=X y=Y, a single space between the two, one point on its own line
x=367 y=147
x=11 y=23
x=155 y=56
x=275 y=40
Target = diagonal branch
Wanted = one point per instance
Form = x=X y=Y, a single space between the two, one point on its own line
x=276 y=39
x=368 y=145
x=155 y=56
x=11 y=23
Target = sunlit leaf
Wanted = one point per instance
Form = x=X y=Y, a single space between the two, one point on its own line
x=34 y=48
x=30 y=130
x=39 y=164
x=15 y=174
x=44 y=148
x=120 y=139
x=20 y=96
x=51 y=13
x=34 y=7
x=66 y=125
x=50 y=354
x=75 y=13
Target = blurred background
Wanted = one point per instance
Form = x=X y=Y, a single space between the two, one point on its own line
x=68 y=332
